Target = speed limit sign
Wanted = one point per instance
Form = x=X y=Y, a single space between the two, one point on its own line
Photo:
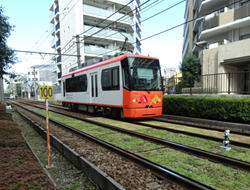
x=46 y=92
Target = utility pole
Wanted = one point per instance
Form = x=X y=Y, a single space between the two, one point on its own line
x=78 y=52
x=34 y=80
x=1 y=90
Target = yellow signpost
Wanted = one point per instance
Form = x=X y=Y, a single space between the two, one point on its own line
x=47 y=92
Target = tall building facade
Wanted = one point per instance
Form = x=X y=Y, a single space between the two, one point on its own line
x=90 y=30
x=219 y=34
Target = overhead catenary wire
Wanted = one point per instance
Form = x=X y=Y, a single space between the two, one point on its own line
x=100 y=22
x=122 y=19
x=176 y=26
x=158 y=13
x=107 y=17
x=84 y=38
x=150 y=17
x=63 y=54
x=67 y=7
x=43 y=53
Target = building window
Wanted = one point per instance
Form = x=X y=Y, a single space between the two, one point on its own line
x=110 y=79
x=243 y=37
x=244 y=2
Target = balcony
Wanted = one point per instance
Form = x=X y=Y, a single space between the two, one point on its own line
x=51 y=16
x=225 y=22
x=58 y=43
x=53 y=43
x=211 y=23
x=59 y=59
x=138 y=2
x=196 y=4
x=59 y=75
x=113 y=35
x=209 y=6
x=138 y=33
x=242 y=12
x=138 y=47
x=97 y=51
x=56 y=10
x=138 y=18
x=103 y=14
x=57 y=26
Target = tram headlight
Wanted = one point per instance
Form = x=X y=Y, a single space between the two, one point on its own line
x=134 y=100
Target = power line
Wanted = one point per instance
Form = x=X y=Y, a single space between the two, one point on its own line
x=176 y=26
x=115 y=21
x=43 y=53
x=101 y=21
x=163 y=10
x=152 y=4
x=107 y=17
x=160 y=12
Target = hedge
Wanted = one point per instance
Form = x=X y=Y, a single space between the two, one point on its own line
x=215 y=108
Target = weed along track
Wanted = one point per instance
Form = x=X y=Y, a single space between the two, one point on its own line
x=126 y=172
x=212 y=174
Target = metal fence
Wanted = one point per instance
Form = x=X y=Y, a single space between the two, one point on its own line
x=226 y=83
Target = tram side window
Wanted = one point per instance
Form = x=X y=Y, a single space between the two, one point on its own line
x=77 y=84
x=110 y=79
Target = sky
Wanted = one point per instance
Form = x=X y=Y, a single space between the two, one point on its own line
x=32 y=31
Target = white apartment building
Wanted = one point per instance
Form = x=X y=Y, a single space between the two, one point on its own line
x=91 y=30
x=220 y=36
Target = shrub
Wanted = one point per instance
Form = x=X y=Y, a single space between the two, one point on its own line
x=216 y=108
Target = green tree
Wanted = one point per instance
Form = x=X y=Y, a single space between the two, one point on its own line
x=7 y=56
x=191 y=70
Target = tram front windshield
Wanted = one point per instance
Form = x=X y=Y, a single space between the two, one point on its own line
x=141 y=74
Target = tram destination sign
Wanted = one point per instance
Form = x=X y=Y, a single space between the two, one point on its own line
x=46 y=92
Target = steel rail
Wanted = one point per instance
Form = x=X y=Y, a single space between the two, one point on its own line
x=201 y=125
x=164 y=172
x=195 y=151
x=217 y=139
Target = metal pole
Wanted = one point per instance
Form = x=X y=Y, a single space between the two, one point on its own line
x=228 y=83
x=78 y=51
x=48 y=133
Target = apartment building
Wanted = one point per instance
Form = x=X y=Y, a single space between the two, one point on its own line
x=92 y=30
x=220 y=36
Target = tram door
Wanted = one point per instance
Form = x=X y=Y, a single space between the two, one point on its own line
x=94 y=87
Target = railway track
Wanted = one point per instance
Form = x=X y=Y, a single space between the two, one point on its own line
x=197 y=152
x=158 y=169
x=236 y=128
x=188 y=129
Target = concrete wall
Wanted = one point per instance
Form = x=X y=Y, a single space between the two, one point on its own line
x=71 y=24
x=210 y=61
x=213 y=60
x=226 y=17
x=233 y=50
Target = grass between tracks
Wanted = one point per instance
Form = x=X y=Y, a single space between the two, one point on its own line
x=202 y=170
x=236 y=152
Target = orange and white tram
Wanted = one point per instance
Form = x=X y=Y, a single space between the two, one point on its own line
x=129 y=86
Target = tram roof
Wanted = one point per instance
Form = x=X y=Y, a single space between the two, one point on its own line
x=106 y=62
